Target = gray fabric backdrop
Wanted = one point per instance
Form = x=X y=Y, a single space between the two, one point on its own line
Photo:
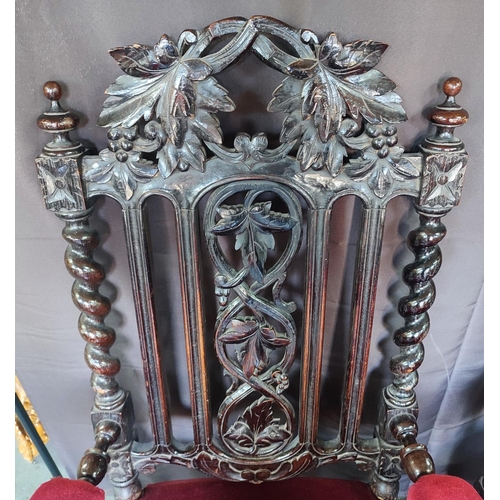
x=68 y=41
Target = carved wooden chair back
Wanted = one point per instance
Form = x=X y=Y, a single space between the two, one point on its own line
x=258 y=206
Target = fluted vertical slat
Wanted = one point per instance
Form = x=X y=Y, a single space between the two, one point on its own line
x=365 y=289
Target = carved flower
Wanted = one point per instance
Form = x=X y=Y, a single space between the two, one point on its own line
x=58 y=189
x=381 y=159
x=121 y=164
x=442 y=184
x=322 y=90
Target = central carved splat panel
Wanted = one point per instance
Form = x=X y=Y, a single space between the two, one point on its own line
x=269 y=328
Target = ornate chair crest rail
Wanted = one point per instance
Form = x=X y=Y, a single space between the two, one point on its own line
x=339 y=138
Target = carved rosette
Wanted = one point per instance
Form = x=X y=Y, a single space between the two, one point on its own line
x=442 y=181
x=245 y=344
x=61 y=184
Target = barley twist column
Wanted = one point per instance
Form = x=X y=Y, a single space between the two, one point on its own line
x=444 y=163
x=64 y=193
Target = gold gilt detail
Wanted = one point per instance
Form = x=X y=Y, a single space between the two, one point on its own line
x=24 y=443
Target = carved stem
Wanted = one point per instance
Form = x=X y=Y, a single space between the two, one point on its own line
x=83 y=240
x=423 y=241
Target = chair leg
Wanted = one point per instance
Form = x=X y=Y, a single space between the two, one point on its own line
x=385 y=487
x=122 y=475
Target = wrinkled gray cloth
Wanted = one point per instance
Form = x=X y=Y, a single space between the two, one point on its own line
x=68 y=42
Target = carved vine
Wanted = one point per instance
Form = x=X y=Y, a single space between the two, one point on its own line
x=244 y=343
x=321 y=91
x=329 y=89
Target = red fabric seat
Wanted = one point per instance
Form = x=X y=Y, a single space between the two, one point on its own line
x=441 y=487
x=432 y=487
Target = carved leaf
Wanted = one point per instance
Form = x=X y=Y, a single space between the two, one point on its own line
x=124 y=183
x=207 y=127
x=360 y=168
x=255 y=357
x=126 y=109
x=166 y=51
x=138 y=60
x=287 y=96
x=213 y=97
x=238 y=330
x=315 y=154
x=265 y=219
x=257 y=428
x=272 y=338
x=380 y=180
x=360 y=55
x=403 y=169
x=375 y=108
x=241 y=433
x=232 y=219
x=273 y=433
x=329 y=49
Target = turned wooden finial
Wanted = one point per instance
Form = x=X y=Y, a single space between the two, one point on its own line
x=446 y=117
x=56 y=120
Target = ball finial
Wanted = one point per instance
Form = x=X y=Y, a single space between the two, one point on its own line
x=452 y=86
x=52 y=91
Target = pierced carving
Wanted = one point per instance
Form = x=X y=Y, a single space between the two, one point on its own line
x=334 y=82
x=254 y=337
x=251 y=150
x=255 y=473
x=171 y=82
x=257 y=428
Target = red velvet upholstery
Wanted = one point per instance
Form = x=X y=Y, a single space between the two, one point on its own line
x=67 y=489
x=300 y=488
x=432 y=487
x=441 y=487
x=214 y=489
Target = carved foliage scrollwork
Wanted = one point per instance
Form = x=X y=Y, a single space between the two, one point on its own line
x=255 y=473
x=323 y=91
x=171 y=83
x=248 y=345
x=329 y=90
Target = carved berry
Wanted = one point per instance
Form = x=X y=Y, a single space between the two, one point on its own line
x=113 y=146
x=372 y=131
x=392 y=140
x=383 y=152
x=378 y=143
x=126 y=145
x=114 y=134
x=121 y=156
x=390 y=130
